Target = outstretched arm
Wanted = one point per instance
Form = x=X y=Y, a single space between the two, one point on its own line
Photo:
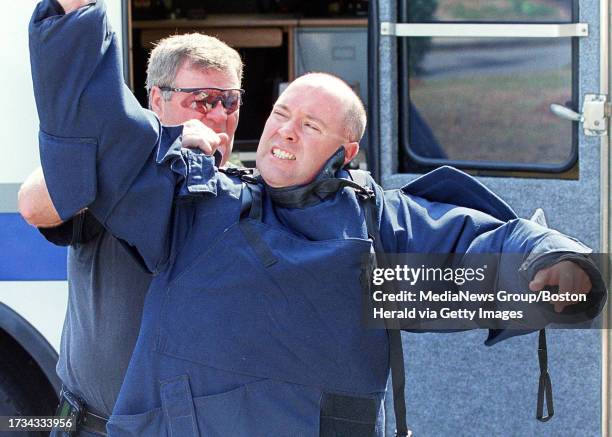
x=546 y=257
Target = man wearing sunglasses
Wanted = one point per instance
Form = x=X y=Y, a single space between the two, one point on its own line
x=252 y=323
x=191 y=78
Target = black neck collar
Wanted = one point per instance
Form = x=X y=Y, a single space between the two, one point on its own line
x=323 y=186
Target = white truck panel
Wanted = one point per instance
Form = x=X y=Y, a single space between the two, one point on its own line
x=42 y=303
x=19 y=133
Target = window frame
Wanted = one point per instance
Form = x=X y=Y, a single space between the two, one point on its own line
x=425 y=164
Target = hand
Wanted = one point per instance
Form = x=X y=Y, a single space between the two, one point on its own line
x=71 y=5
x=196 y=135
x=568 y=276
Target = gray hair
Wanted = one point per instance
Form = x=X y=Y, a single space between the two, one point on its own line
x=203 y=51
x=355 y=117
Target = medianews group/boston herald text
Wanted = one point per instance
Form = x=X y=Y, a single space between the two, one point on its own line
x=455 y=291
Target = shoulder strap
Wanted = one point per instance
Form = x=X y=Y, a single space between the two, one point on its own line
x=251 y=208
x=396 y=350
x=545 y=392
x=368 y=195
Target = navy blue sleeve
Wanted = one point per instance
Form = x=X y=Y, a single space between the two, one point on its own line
x=79 y=229
x=61 y=235
x=98 y=146
x=412 y=224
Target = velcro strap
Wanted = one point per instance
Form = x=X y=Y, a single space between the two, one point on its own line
x=177 y=404
x=347 y=416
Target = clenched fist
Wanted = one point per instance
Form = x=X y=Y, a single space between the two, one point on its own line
x=196 y=135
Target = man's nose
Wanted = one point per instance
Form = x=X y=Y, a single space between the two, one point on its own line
x=287 y=131
x=217 y=114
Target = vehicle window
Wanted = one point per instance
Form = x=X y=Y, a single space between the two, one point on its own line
x=483 y=102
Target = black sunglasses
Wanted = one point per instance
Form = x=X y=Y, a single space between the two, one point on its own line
x=205 y=99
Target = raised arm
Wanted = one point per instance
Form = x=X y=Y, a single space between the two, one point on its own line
x=98 y=146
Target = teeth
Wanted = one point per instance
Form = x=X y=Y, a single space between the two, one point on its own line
x=281 y=154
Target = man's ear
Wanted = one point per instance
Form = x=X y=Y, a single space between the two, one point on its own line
x=350 y=151
x=155 y=101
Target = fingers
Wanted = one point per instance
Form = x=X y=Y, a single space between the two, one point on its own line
x=567 y=276
x=223 y=139
x=196 y=135
x=207 y=145
x=541 y=279
x=566 y=285
x=574 y=280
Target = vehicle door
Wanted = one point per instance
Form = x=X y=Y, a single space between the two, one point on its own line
x=470 y=84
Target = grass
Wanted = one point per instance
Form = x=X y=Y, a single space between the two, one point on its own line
x=508 y=10
x=499 y=118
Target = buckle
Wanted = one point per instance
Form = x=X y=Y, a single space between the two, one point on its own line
x=230 y=171
x=243 y=173
x=365 y=193
x=76 y=408
x=236 y=171
x=249 y=178
x=70 y=406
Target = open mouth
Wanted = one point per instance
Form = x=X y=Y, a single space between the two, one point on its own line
x=282 y=154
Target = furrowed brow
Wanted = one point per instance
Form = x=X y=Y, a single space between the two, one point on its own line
x=281 y=106
x=308 y=116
